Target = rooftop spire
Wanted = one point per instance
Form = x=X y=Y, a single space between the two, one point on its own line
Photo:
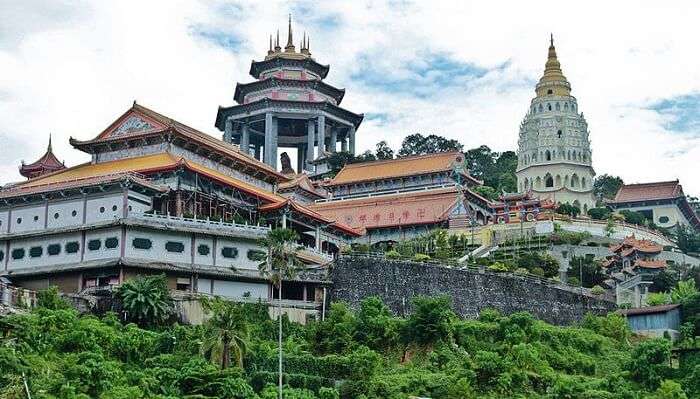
x=270 y=51
x=48 y=149
x=277 y=42
x=290 y=40
x=553 y=81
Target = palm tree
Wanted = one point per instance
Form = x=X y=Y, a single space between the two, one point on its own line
x=227 y=332
x=146 y=299
x=281 y=263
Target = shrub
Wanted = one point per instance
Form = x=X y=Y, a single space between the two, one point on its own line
x=597 y=290
x=521 y=271
x=537 y=271
x=599 y=213
x=658 y=298
x=393 y=254
x=498 y=267
x=421 y=257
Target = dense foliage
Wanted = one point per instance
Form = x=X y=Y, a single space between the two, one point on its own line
x=366 y=353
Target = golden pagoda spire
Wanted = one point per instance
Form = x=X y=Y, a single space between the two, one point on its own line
x=553 y=81
x=289 y=48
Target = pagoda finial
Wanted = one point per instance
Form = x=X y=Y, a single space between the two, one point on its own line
x=553 y=80
x=48 y=149
x=277 y=42
x=290 y=40
x=270 y=51
x=551 y=39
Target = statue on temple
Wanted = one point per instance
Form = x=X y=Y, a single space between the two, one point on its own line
x=286 y=164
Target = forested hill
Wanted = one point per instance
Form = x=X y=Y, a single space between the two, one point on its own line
x=364 y=354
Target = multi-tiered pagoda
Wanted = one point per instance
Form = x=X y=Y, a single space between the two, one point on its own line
x=289 y=106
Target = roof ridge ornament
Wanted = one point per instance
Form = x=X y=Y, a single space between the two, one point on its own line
x=289 y=48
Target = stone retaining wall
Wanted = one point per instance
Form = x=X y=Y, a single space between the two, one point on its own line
x=397 y=282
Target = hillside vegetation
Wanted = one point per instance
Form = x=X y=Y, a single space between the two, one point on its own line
x=351 y=354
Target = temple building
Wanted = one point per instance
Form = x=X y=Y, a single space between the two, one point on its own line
x=158 y=196
x=662 y=203
x=554 y=152
x=402 y=198
x=519 y=207
x=46 y=164
x=289 y=106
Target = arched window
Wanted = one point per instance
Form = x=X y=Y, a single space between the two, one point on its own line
x=566 y=181
x=534 y=157
x=557 y=181
x=548 y=155
x=556 y=106
x=540 y=108
x=549 y=107
x=566 y=106
x=538 y=182
x=574 y=180
x=559 y=133
x=548 y=181
x=568 y=155
x=583 y=182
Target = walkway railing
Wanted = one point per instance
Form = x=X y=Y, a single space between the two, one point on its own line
x=194 y=222
x=17 y=297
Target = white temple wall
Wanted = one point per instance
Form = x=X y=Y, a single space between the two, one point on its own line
x=102 y=252
x=104 y=208
x=28 y=218
x=157 y=252
x=45 y=259
x=65 y=213
x=233 y=289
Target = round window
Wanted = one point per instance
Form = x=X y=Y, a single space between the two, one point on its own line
x=114 y=208
x=36 y=218
x=19 y=220
x=55 y=215
x=74 y=213
x=102 y=209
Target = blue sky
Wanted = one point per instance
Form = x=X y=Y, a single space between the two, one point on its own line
x=463 y=69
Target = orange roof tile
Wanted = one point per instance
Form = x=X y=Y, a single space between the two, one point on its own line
x=160 y=123
x=650 y=264
x=409 y=208
x=145 y=164
x=649 y=191
x=407 y=166
x=314 y=215
x=87 y=170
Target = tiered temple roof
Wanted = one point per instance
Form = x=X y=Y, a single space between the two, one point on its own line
x=636 y=253
x=399 y=167
x=47 y=163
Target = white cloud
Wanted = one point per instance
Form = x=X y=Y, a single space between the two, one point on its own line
x=71 y=68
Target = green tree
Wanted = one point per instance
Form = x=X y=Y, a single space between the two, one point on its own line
x=384 y=151
x=606 y=186
x=599 y=213
x=50 y=299
x=487 y=192
x=669 y=389
x=664 y=281
x=588 y=268
x=649 y=364
x=226 y=331
x=280 y=264
x=633 y=217
x=376 y=327
x=687 y=239
x=146 y=300
x=684 y=290
x=417 y=144
x=431 y=321
x=658 y=298
x=568 y=209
